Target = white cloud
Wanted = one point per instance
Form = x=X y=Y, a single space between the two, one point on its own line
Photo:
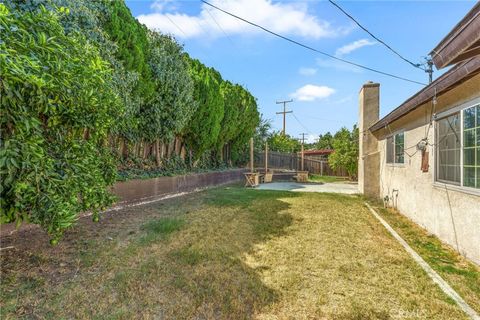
x=339 y=65
x=307 y=71
x=348 y=48
x=284 y=18
x=163 y=5
x=311 y=138
x=312 y=92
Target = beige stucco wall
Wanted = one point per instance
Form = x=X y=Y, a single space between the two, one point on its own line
x=368 y=161
x=452 y=215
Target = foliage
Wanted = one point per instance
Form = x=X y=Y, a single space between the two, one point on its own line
x=248 y=121
x=89 y=82
x=233 y=99
x=325 y=141
x=283 y=143
x=132 y=44
x=262 y=133
x=202 y=131
x=345 y=144
x=53 y=160
x=172 y=104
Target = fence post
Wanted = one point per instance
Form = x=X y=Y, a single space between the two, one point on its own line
x=321 y=168
x=266 y=157
x=302 y=158
x=251 y=155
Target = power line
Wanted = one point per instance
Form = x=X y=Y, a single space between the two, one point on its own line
x=416 y=65
x=311 y=48
x=304 y=127
x=218 y=25
x=176 y=25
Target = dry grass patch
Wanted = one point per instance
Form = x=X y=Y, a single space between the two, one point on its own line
x=227 y=253
x=461 y=274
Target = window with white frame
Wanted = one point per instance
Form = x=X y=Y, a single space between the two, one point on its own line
x=395 y=148
x=458 y=148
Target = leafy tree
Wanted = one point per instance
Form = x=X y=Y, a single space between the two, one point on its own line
x=172 y=104
x=232 y=97
x=201 y=133
x=53 y=158
x=88 y=18
x=283 y=143
x=345 y=155
x=325 y=141
x=132 y=44
x=262 y=133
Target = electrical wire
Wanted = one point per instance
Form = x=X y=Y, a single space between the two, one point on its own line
x=416 y=65
x=304 y=127
x=219 y=26
x=169 y=19
x=313 y=49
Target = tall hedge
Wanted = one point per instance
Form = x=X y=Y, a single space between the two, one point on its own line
x=202 y=131
x=86 y=89
x=54 y=121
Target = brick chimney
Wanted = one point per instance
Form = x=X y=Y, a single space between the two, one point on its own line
x=369 y=156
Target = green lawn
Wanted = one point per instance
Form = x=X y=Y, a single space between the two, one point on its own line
x=325 y=179
x=229 y=253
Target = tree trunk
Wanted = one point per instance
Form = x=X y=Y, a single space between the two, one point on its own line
x=183 y=152
x=178 y=145
x=170 y=147
x=157 y=153
x=146 y=149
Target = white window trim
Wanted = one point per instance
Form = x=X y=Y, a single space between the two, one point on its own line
x=441 y=183
x=393 y=134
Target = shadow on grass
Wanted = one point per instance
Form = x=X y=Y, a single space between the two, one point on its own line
x=184 y=260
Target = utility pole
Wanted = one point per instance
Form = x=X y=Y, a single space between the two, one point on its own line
x=303 y=137
x=302 y=154
x=284 y=112
x=429 y=69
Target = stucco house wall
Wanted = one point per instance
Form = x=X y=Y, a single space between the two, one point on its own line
x=447 y=211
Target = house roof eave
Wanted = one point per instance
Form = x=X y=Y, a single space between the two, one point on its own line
x=453 y=77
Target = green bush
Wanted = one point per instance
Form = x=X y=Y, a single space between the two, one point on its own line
x=57 y=105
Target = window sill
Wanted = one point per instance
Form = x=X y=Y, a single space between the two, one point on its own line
x=440 y=185
x=397 y=165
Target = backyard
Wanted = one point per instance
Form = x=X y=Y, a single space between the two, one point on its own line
x=233 y=253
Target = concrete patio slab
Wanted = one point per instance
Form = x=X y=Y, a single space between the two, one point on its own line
x=346 y=188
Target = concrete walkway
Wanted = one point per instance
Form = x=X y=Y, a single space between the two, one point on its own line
x=346 y=188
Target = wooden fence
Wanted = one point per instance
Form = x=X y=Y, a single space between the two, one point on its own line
x=292 y=161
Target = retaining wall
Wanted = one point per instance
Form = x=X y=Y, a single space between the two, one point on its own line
x=140 y=190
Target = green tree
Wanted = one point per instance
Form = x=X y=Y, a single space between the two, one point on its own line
x=345 y=155
x=248 y=121
x=325 y=141
x=283 y=143
x=201 y=133
x=262 y=133
x=172 y=104
x=132 y=44
x=54 y=121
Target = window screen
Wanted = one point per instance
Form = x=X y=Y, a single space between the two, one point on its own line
x=448 y=149
x=471 y=147
x=395 y=147
x=390 y=150
x=399 y=147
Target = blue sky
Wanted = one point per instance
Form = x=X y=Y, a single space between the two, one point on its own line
x=325 y=92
